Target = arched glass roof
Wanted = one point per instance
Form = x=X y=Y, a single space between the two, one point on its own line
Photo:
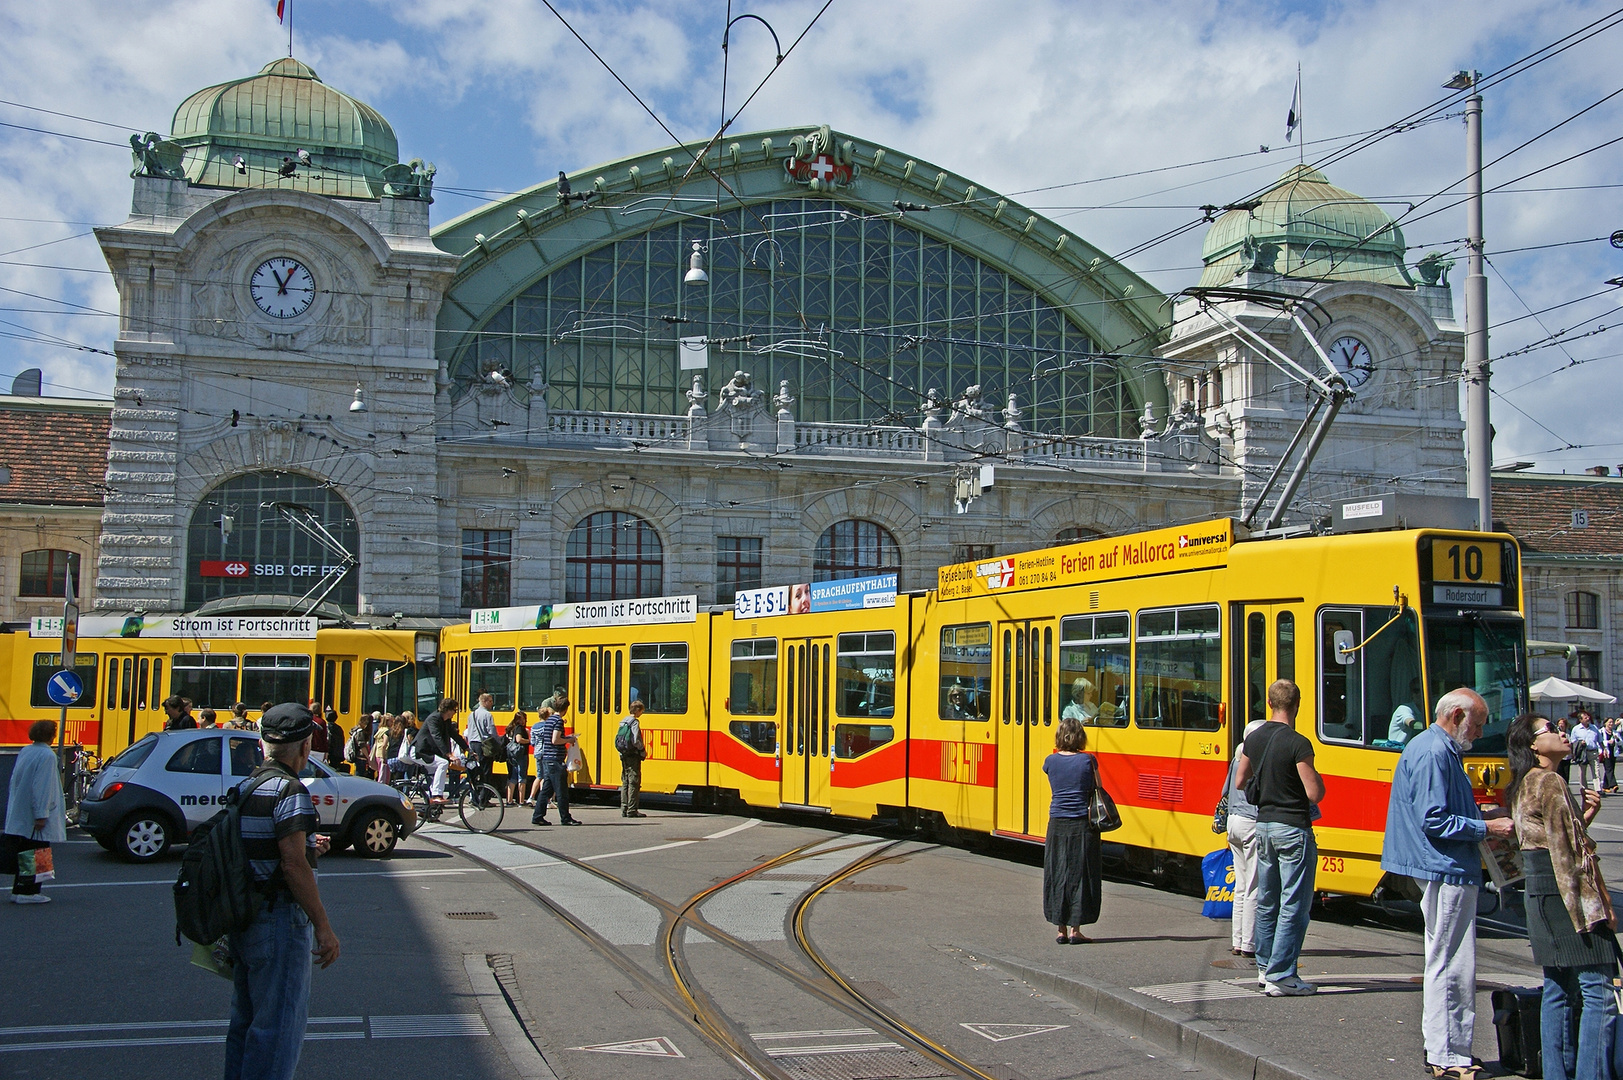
x=860 y=308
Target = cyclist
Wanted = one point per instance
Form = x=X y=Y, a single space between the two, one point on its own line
x=432 y=747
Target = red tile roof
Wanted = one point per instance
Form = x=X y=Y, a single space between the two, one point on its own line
x=1537 y=509
x=55 y=455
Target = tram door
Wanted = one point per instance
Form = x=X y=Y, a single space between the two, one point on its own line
x=806 y=699
x=1024 y=698
x=598 y=705
x=132 y=693
x=335 y=686
x=1267 y=644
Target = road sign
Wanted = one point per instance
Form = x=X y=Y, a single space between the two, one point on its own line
x=64 y=688
x=70 y=633
x=1005 y=1032
x=227 y=568
x=657 y=1047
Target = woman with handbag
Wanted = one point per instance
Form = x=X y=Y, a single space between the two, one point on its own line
x=1072 y=864
x=1241 y=822
x=1570 y=923
x=518 y=758
x=33 y=816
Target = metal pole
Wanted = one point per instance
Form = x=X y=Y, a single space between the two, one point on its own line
x=1478 y=430
x=1338 y=397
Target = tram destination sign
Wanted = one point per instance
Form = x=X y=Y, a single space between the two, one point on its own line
x=1160 y=551
x=657 y=609
x=179 y=626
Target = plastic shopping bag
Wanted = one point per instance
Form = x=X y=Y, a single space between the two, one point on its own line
x=1217 y=870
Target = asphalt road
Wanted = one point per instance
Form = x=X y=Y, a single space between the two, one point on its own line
x=547 y=952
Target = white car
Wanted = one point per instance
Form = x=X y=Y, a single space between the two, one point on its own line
x=167 y=784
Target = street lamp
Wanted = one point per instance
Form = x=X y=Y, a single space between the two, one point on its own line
x=696 y=274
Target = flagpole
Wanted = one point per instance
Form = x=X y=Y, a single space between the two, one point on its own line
x=290 y=36
x=1301 y=145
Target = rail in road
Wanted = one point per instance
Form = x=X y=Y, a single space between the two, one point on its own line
x=609 y=912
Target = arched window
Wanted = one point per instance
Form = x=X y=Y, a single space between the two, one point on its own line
x=1075 y=535
x=1583 y=611
x=613 y=556
x=855 y=548
x=275 y=536
x=43 y=572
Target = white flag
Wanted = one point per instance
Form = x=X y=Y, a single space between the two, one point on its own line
x=1293 y=119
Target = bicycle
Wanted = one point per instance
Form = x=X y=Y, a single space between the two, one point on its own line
x=85 y=766
x=480 y=806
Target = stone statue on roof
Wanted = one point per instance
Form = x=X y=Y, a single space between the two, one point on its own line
x=739 y=392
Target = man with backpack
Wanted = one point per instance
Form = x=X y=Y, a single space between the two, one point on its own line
x=270 y=997
x=628 y=741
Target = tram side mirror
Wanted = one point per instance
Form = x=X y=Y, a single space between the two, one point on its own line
x=1344 y=644
x=377 y=678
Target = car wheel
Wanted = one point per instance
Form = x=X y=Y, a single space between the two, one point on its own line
x=376 y=835
x=143 y=836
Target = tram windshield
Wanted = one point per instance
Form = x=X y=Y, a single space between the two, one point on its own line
x=1487 y=654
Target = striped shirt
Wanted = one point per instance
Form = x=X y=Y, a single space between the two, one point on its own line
x=280 y=807
x=542 y=737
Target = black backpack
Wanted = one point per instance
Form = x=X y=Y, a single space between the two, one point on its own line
x=216 y=894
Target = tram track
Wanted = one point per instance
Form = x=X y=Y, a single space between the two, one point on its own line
x=686 y=997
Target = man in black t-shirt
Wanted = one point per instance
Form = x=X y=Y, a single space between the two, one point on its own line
x=1278 y=777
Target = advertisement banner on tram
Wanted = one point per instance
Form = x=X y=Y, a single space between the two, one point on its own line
x=1181 y=547
x=178 y=626
x=658 y=609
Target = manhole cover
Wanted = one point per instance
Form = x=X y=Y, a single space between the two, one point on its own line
x=1235 y=963
x=861 y=1065
x=638 y=999
x=878 y=991
x=470 y=915
x=868 y=886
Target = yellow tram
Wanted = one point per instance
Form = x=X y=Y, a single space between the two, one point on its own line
x=130 y=664
x=851 y=698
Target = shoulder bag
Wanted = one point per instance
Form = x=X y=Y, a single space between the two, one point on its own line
x=1102 y=812
x=1220 y=816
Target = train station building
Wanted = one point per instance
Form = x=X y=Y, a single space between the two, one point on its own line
x=795 y=355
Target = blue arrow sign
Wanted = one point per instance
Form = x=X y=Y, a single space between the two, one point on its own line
x=64 y=688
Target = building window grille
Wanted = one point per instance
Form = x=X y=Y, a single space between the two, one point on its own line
x=487 y=568
x=855 y=548
x=612 y=555
x=738 y=566
x=972 y=552
x=1584 y=669
x=1583 y=611
x=43 y=572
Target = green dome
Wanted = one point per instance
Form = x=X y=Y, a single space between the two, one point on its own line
x=270 y=116
x=1305 y=227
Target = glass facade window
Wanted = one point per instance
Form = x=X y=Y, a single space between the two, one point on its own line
x=962 y=553
x=487 y=568
x=738 y=566
x=241 y=543
x=1583 y=610
x=1585 y=668
x=855 y=548
x=595 y=329
x=43 y=572
x=612 y=555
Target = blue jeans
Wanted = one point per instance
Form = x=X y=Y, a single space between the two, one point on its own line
x=270 y=997
x=1577 y=1002
x=1286 y=860
x=554 y=784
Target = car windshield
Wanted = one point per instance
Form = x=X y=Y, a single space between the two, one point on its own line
x=1486 y=654
x=134 y=754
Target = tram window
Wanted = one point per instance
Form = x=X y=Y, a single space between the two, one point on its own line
x=112 y=682
x=200 y=756
x=1180 y=668
x=346 y=679
x=659 y=677
x=125 y=683
x=1485 y=653
x=1094 y=659
x=854 y=740
x=1376 y=700
x=209 y=679
x=1256 y=671
x=276 y=679
x=386 y=686
x=867 y=674
x=491 y=671
x=752 y=689
x=1285 y=646
x=966 y=672
x=542 y=672
x=86 y=665
x=759 y=735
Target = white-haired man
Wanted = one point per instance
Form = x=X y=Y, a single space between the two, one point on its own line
x=1433 y=827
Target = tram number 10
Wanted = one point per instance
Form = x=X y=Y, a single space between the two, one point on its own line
x=1465 y=562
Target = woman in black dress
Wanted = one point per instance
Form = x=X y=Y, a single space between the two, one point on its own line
x=1071 y=859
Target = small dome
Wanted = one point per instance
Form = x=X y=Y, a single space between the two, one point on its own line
x=272 y=115
x=1305 y=227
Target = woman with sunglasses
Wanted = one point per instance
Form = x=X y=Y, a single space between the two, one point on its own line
x=1570 y=922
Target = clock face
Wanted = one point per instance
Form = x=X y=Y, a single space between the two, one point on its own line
x=282 y=288
x=1351 y=358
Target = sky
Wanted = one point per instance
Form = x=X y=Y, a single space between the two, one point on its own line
x=1047 y=101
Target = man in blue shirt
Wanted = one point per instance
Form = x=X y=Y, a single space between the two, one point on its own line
x=1433 y=827
x=551 y=749
x=1586 y=751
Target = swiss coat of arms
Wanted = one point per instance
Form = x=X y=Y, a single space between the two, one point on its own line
x=815 y=160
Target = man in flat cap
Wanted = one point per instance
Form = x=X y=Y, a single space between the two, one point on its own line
x=270 y=997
